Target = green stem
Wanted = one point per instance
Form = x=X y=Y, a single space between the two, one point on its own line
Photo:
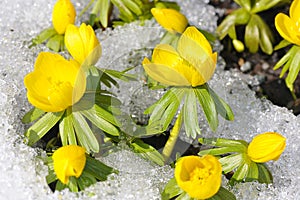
x=169 y=146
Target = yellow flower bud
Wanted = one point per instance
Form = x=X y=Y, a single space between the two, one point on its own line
x=289 y=26
x=83 y=44
x=69 y=161
x=238 y=45
x=200 y=177
x=170 y=19
x=266 y=146
x=191 y=64
x=63 y=14
x=55 y=83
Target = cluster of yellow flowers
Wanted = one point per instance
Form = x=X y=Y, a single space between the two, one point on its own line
x=200 y=177
x=56 y=83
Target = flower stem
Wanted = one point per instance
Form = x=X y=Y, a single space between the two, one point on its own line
x=169 y=146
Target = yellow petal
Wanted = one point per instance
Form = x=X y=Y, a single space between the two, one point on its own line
x=164 y=74
x=265 y=147
x=295 y=11
x=196 y=50
x=69 y=161
x=170 y=19
x=287 y=28
x=180 y=72
x=63 y=14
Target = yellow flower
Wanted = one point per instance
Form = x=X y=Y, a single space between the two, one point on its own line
x=83 y=44
x=170 y=19
x=192 y=64
x=55 y=83
x=69 y=161
x=266 y=146
x=289 y=27
x=200 y=177
x=63 y=14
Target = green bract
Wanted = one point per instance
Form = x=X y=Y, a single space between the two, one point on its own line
x=257 y=32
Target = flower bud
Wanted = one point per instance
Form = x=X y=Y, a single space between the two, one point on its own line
x=238 y=45
x=170 y=19
x=63 y=14
x=266 y=146
x=69 y=161
x=83 y=44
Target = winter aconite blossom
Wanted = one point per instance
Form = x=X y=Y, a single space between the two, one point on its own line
x=266 y=146
x=55 y=83
x=191 y=64
x=289 y=26
x=69 y=161
x=63 y=14
x=200 y=177
x=83 y=44
x=170 y=19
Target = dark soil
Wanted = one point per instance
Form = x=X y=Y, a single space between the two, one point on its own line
x=261 y=64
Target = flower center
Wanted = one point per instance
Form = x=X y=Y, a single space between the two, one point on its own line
x=200 y=175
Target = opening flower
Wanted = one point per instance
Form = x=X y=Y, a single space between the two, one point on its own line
x=55 y=83
x=191 y=64
x=289 y=26
x=170 y=19
x=83 y=44
x=266 y=146
x=69 y=161
x=63 y=14
x=200 y=177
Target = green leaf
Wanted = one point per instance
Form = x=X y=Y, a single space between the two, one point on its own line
x=125 y=13
x=208 y=105
x=120 y=75
x=43 y=36
x=231 y=162
x=221 y=151
x=131 y=5
x=184 y=196
x=263 y=5
x=222 y=107
x=264 y=175
x=32 y=115
x=85 y=180
x=222 y=142
x=72 y=184
x=265 y=34
x=98 y=169
x=282 y=44
x=102 y=119
x=101 y=9
x=42 y=126
x=293 y=70
x=162 y=110
x=60 y=186
x=147 y=151
x=56 y=43
x=240 y=173
x=223 y=194
x=252 y=35
x=66 y=129
x=190 y=114
x=253 y=171
x=171 y=190
x=283 y=60
x=51 y=177
x=84 y=133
